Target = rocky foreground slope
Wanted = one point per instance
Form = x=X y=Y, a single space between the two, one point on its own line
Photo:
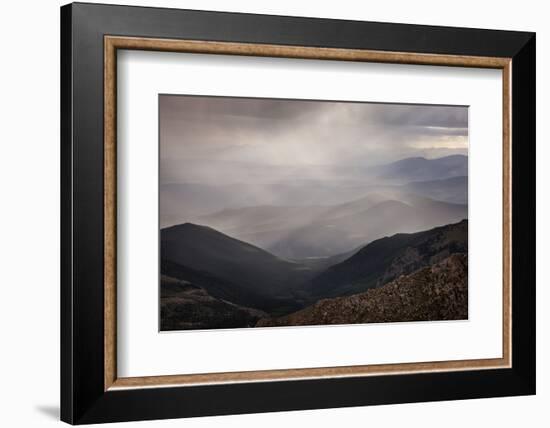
x=437 y=292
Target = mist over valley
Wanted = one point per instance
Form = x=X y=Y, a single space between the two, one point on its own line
x=269 y=207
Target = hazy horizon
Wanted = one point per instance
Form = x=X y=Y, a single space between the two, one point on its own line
x=224 y=152
x=307 y=206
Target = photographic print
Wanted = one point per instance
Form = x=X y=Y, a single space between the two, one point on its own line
x=282 y=212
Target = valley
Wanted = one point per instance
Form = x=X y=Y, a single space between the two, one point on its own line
x=241 y=284
x=291 y=211
x=302 y=249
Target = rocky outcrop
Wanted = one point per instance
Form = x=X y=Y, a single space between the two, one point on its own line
x=437 y=292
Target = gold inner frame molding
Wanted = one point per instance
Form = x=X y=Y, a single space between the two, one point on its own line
x=113 y=43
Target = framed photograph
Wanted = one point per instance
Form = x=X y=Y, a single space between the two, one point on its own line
x=320 y=213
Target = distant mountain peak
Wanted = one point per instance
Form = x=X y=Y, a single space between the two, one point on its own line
x=186 y=225
x=422 y=169
x=456 y=156
x=412 y=158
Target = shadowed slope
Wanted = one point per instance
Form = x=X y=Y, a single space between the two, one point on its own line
x=384 y=259
x=244 y=273
x=437 y=292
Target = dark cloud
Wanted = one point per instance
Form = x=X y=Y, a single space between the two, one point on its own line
x=401 y=115
x=199 y=107
x=206 y=138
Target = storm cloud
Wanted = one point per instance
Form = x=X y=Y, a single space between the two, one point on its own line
x=205 y=137
x=217 y=152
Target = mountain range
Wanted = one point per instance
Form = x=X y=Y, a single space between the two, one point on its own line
x=444 y=179
x=422 y=169
x=298 y=232
x=239 y=273
x=304 y=251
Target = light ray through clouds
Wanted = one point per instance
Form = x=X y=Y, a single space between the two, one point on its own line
x=302 y=133
x=223 y=141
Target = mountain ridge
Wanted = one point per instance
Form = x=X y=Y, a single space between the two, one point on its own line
x=297 y=232
x=384 y=259
x=241 y=273
x=436 y=292
x=189 y=201
x=421 y=168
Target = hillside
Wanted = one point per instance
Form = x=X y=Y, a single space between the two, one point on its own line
x=244 y=273
x=185 y=306
x=333 y=235
x=385 y=259
x=437 y=292
x=453 y=189
x=299 y=232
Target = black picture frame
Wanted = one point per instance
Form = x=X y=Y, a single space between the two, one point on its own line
x=83 y=396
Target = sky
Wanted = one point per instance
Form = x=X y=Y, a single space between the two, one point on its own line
x=208 y=139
